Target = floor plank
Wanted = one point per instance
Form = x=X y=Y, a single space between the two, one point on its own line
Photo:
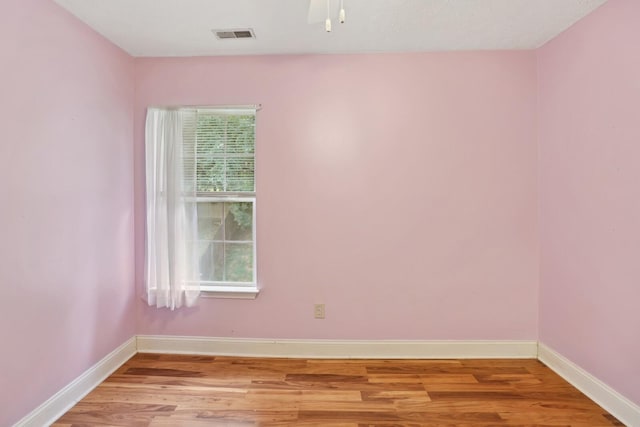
x=155 y=390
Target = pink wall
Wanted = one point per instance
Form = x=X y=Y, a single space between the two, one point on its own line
x=589 y=90
x=399 y=190
x=66 y=245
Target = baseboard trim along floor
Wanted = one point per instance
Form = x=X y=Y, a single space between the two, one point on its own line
x=73 y=392
x=615 y=403
x=338 y=349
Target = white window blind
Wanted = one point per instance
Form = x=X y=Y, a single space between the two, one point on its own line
x=220 y=145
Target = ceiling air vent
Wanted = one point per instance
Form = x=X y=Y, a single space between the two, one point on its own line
x=244 y=33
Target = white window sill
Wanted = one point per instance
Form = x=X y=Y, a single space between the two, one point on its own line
x=234 y=292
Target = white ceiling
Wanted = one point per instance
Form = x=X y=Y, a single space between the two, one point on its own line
x=183 y=27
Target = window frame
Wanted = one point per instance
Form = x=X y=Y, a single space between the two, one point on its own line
x=236 y=290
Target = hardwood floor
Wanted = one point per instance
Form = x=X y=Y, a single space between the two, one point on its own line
x=175 y=390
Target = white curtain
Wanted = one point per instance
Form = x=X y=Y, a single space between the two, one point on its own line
x=171 y=266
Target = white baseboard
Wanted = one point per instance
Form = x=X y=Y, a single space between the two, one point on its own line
x=615 y=403
x=73 y=392
x=323 y=349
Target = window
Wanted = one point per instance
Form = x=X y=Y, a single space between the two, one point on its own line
x=219 y=153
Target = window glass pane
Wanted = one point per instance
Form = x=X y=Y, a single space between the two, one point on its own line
x=211 y=261
x=239 y=262
x=210 y=221
x=239 y=221
x=225 y=241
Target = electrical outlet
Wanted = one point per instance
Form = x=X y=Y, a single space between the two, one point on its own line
x=318 y=311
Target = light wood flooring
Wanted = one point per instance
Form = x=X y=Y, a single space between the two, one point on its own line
x=175 y=390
